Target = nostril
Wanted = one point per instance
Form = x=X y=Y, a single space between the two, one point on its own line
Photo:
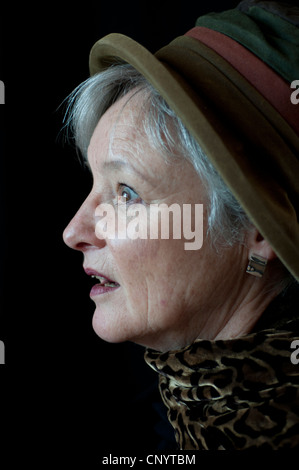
x=81 y=237
x=73 y=240
x=82 y=246
x=73 y=236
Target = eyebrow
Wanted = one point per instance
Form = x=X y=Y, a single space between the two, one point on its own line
x=117 y=164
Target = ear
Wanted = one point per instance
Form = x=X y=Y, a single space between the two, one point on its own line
x=258 y=245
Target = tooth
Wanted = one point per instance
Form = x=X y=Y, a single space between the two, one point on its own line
x=102 y=281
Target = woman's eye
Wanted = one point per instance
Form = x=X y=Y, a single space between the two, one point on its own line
x=127 y=193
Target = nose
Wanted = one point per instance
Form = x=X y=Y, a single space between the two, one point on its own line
x=80 y=232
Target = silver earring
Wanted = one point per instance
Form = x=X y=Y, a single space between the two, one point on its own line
x=256 y=265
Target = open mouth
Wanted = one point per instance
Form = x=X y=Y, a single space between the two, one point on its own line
x=104 y=281
x=104 y=284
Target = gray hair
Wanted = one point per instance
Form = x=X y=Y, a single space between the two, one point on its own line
x=227 y=222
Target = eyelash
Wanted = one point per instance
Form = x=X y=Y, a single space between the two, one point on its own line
x=121 y=189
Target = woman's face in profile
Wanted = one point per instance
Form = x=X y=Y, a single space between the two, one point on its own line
x=151 y=291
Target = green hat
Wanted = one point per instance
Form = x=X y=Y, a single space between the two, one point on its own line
x=232 y=80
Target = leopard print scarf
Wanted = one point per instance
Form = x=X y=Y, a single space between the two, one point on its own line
x=236 y=394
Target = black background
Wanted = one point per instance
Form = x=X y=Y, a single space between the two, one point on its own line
x=66 y=395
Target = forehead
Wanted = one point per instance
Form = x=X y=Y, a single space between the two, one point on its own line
x=119 y=129
x=120 y=137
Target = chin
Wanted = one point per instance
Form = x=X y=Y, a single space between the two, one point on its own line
x=110 y=329
x=114 y=328
x=107 y=332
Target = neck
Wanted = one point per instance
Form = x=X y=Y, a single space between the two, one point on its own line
x=240 y=314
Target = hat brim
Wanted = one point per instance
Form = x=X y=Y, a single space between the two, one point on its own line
x=266 y=201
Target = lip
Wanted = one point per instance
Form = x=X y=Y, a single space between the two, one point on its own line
x=99 y=289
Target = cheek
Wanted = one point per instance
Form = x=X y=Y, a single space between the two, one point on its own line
x=145 y=269
x=152 y=299
x=134 y=261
